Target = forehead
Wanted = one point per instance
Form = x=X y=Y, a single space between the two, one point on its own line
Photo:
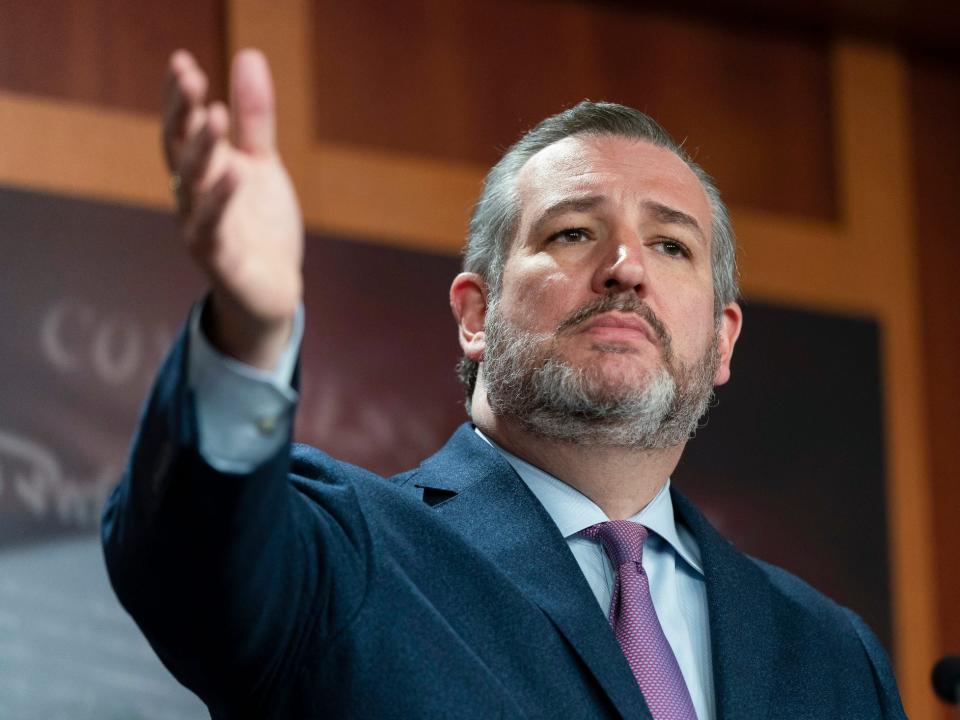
x=626 y=171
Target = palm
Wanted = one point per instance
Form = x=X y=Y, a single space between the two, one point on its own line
x=259 y=240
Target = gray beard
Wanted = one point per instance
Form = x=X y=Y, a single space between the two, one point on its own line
x=526 y=380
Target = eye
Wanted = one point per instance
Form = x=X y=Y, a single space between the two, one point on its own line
x=570 y=235
x=672 y=248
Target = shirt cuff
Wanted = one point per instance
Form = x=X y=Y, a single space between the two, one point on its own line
x=244 y=414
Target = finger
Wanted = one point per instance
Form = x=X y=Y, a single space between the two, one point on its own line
x=187 y=84
x=252 y=104
x=200 y=232
x=184 y=112
x=195 y=170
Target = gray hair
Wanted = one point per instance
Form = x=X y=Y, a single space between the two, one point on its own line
x=493 y=223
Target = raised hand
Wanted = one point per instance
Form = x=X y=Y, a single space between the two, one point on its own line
x=239 y=212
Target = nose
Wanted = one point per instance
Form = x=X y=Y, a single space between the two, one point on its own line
x=621 y=269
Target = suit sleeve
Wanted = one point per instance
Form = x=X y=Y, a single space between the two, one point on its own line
x=228 y=575
x=886 y=684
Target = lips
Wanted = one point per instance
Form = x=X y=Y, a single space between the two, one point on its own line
x=617 y=324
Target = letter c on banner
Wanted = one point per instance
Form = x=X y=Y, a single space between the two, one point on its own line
x=53 y=338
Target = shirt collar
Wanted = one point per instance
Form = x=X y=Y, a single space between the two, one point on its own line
x=573 y=511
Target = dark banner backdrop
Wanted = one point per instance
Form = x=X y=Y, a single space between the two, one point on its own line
x=789 y=465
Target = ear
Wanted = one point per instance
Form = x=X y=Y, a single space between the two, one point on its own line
x=468 y=301
x=730 y=323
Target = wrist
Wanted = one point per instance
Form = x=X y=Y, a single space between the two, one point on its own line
x=254 y=341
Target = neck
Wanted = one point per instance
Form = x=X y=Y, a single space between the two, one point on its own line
x=621 y=481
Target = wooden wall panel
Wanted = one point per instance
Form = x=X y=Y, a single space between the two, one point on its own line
x=935 y=99
x=460 y=81
x=872 y=108
x=930 y=24
x=106 y=52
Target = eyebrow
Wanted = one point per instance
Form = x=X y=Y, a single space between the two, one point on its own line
x=663 y=213
x=581 y=204
x=672 y=216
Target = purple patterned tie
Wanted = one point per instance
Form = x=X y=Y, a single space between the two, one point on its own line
x=635 y=622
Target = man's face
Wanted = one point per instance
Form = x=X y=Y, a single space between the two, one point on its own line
x=605 y=326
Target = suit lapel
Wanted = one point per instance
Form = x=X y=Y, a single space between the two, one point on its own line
x=493 y=508
x=742 y=629
x=478 y=492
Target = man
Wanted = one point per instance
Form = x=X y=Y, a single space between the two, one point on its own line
x=539 y=565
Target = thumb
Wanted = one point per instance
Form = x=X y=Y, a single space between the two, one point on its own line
x=251 y=103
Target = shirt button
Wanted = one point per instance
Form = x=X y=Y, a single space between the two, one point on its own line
x=267 y=424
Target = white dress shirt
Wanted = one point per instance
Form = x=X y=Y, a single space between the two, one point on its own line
x=244 y=415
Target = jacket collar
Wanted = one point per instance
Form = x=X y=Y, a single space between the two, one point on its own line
x=490 y=505
x=493 y=508
x=572 y=511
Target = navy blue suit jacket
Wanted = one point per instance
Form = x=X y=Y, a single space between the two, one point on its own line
x=311 y=588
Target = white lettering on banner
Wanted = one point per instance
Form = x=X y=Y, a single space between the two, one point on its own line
x=52 y=339
x=33 y=470
x=116 y=348
x=116 y=362
x=32 y=474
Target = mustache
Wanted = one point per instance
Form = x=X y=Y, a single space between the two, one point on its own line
x=620 y=303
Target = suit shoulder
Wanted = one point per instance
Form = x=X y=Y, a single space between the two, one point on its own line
x=318 y=475
x=837 y=622
x=800 y=591
x=833 y=619
x=311 y=463
x=840 y=624
x=819 y=617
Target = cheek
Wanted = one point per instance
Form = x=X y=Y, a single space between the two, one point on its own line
x=539 y=300
x=692 y=326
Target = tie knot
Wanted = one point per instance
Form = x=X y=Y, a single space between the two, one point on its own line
x=621 y=539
